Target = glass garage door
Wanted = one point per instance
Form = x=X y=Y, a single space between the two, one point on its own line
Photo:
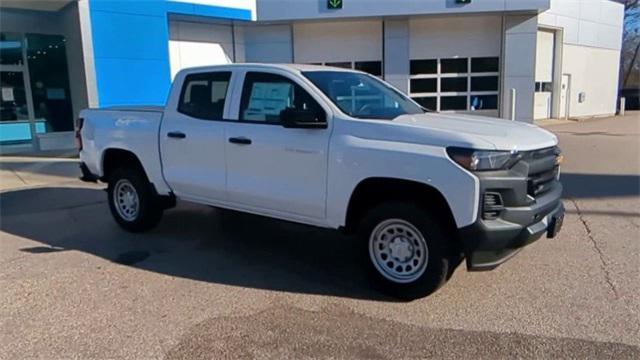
x=456 y=84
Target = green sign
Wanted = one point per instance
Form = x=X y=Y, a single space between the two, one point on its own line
x=334 y=4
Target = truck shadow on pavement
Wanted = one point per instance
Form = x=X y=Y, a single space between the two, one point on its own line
x=578 y=186
x=219 y=246
x=192 y=241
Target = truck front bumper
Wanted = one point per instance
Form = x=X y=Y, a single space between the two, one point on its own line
x=493 y=240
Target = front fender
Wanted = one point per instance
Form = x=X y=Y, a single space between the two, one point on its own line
x=354 y=159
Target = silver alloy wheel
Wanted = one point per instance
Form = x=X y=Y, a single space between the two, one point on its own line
x=125 y=199
x=398 y=251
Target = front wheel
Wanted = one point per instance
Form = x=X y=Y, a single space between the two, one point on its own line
x=407 y=250
x=132 y=201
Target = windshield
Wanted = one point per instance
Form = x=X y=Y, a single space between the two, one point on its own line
x=362 y=96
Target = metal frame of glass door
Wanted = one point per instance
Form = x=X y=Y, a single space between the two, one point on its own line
x=24 y=69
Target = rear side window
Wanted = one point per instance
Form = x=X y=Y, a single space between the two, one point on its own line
x=266 y=95
x=203 y=95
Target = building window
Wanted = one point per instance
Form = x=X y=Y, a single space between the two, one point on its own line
x=428 y=102
x=484 y=83
x=343 y=65
x=485 y=64
x=454 y=66
x=453 y=103
x=424 y=67
x=371 y=67
x=484 y=102
x=544 y=87
x=424 y=85
x=456 y=84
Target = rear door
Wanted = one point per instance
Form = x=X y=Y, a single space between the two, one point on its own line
x=269 y=167
x=192 y=137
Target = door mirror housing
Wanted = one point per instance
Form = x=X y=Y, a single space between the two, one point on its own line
x=302 y=119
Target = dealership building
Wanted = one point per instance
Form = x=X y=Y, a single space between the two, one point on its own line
x=524 y=59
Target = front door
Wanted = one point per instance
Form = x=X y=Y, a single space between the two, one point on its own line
x=15 y=124
x=271 y=168
x=564 y=96
x=16 y=110
x=192 y=138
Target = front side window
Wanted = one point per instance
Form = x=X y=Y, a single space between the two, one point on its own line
x=362 y=96
x=204 y=94
x=266 y=95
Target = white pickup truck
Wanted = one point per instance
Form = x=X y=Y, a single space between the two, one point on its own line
x=336 y=149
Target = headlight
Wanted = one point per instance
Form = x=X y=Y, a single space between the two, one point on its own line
x=483 y=160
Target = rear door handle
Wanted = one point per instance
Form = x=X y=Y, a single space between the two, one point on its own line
x=176 y=135
x=240 y=140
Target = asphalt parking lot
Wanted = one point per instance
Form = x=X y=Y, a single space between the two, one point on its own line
x=216 y=284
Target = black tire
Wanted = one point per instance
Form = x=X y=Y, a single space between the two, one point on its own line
x=149 y=207
x=436 y=271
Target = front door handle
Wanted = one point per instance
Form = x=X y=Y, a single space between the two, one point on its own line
x=176 y=135
x=240 y=140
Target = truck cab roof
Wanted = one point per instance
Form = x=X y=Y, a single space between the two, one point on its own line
x=293 y=68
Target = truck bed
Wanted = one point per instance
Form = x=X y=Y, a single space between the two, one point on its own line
x=131 y=128
x=134 y=108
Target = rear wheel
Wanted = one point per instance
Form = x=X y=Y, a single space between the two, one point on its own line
x=407 y=250
x=132 y=201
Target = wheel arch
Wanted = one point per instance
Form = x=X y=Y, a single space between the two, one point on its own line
x=115 y=158
x=374 y=191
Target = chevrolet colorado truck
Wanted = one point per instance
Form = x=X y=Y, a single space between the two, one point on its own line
x=337 y=149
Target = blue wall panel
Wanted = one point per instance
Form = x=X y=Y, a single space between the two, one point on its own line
x=131 y=47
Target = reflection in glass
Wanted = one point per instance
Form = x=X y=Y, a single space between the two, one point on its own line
x=10 y=49
x=484 y=102
x=484 y=83
x=13 y=106
x=344 y=65
x=454 y=66
x=428 y=102
x=424 y=67
x=424 y=85
x=453 y=103
x=458 y=84
x=47 y=61
x=372 y=67
x=485 y=64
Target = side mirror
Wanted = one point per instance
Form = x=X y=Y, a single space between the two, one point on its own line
x=302 y=119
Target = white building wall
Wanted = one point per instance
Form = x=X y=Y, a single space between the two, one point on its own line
x=286 y=10
x=343 y=41
x=397 y=35
x=519 y=57
x=594 y=72
x=544 y=74
x=592 y=39
x=268 y=43
x=448 y=37
x=199 y=44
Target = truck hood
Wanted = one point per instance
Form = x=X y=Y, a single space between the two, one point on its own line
x=503 y=134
